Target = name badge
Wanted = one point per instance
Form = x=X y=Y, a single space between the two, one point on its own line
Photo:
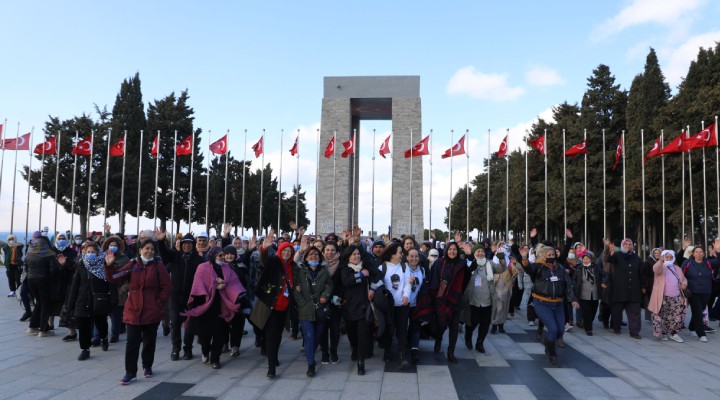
x=285 y=292
x=553 y=278
x=478 y=281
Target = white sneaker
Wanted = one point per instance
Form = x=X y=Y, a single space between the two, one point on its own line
x=531 y=323
x=46 y=334
x=568 y=327
x=693 y=333
x=33 y=331
x=11 y=294
x=664 y=338
x=676 y=338
x=703 y=339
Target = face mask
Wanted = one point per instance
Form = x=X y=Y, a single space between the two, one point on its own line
x=296 y=247
x=61 y=243
x=146 y=260
x=11 y=241
x=313 y=263
x=219 y=261
x=114 y=249
x=586 y=264
x=482 y=261
x=550 y=260
x=624 y=250
x=78 y=241
x=44 y=234
x=90 y=256
x=669 y=264
x=571 y=256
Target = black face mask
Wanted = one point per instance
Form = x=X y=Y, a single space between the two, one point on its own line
x=550 y=260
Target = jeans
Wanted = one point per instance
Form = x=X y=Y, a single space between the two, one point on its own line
x=40 y=289
x=136 y=334
x=552 y=315
x=311 y=331
x=85 y=329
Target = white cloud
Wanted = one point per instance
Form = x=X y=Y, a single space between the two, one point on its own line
x=639 y=12
x=679 y=58
x=471 y=82
x=543 y=76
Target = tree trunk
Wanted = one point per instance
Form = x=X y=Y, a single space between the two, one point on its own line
x=83 y=225
x=122 y=223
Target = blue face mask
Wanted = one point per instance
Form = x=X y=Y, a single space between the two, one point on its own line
x=114 y=249
x=61 y=243
x=90 y=256
x=78 y=241
x=146 y=260
x=296 y=247
x=313 y=263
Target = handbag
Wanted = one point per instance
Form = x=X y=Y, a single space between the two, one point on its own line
x=260 y=314
x=322 y=311
x=101 y=301
x=686 y=293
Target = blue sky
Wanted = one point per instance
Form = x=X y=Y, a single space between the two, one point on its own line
x=255 y=65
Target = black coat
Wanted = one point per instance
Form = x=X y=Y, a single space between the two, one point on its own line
x=355 y=290
x=270 y=283
x=182 y=273
x=80 y=299
x=625 y=278
x=578 y=279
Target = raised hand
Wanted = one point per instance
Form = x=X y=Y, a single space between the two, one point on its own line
x=293 y=225
x=686 y=243
x=301 y=231
x=345 y=234
x=303 y=244
x=533 y=232
x=107 y=227
x=61 y=259
x=356 y=230
x=226 y=229
x=466 y=248
x=252 y=243
x=568 y=233
x=109 y=258
x=269 y=239
x=160 y=235
x=458 y=237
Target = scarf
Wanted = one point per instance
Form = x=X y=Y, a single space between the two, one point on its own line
x=355 y=267
x=589 y=274
x=204 y=286
x=96 y=266
x=41 y=248
x=332 y=264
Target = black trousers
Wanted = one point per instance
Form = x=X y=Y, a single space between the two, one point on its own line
x=176 y=323
x=516 y=298
x=697 y=306
x=399 y=329
x=479 y=317
x=632 y=310
x=331 y=332
x=454 y=328
x=136 y=334
x=237 y=326
x=13 y=273
x=211 y=342
x=589 y=309
x=84 y=326
x=40 y=289
x=358 y=334
x=273 y=335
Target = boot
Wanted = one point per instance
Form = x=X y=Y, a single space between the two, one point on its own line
x=468 y=339
x=438 y=345
x=361 y=367
x=493 y=330
x=311 y=370
x=539 y=332
x=547 y=349
x=552 y=356
x=451 y=356
x=175 y=355
x=560 y=342
x=403 y=361
x=415 y=356
x=479 y=346
x=271 y=372
x=501 y=328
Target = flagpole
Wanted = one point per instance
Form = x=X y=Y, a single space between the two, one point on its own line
x=282 y=136
x=190 y=193
x=717 y=169
x=72 y=196
x=411 y=179
x=624 y=196
x=487 y=215
x=683 y=187
x=242 y=211
x=2 y=158
x=705 y=219
x=585 y=239
x=507 y=186
x=662 y=160
x=452 y=133
x=42 y=175
x=173 y=229
x=57 y=174
x=317 y=174
x=207 y=186
x=334 y=171
x=545 y=146
x=604 y=172
x=527 y=231
x=12 y=209
x=122 y=185
x=297 y=178
x=90 y=168
x=262 y=183
x=431 y=185
x=692 y=206
x=372 y=213
x=467 y=183
x=27 y=206
x=140 y=156
x=354 y=170
x=564 y=184
x=227 y=156
x=107 y=175
x=642 y=167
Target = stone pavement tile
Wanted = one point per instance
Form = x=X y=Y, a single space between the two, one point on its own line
x=194 y=373
x=507 y=348
x=639 y=380
x=434 y=374
x=36 y=394
x=242 y=392
x=513 y=392
x=396 y=382
x=437 y=391
x=576 y=384
x=321 y=394
x=212 y=386
x=617 y=387
x=373 y=373
x=284 y=388
x=27 y=382
x=532 y=348
x=76 y=378
x=87 y=390
x=361 y=391
x=132 y=390
x=257 y=378
x=330 y=380
x=399 y=396
x=662 y=394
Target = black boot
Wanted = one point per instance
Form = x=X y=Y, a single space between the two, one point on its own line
x=415 y=356
x=552 y=356
x=501 y=328
x=451 y=356
x=493 y=330
x=479 y=346
x=438 y=345
x=271 y=372
x=311 y=370
x=361 y=367
x=403 y=361
x=468 y=338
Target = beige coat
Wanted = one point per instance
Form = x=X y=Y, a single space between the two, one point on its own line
x=656 y=297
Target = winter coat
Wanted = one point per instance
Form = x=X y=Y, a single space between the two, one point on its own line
x=355 y=289
x=150 y=289
x=271 y=282
x=40 y=261
x=80 y=299
x=625 y=279
x=545 y=287
x=183 y=271
x=323 y=288
x=699 y=275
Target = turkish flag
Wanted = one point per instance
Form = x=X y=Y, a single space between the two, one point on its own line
x=220 y=146
x=420 y=149
x=258 y=147
x=46 y=148
x=704 y=138
x=618 y=153
x=19 y=143
x=502 y=151
x=156 y=143
x=1 y=131
x=185 y=148
x=385 y=147
x=118 y=148
x=677 y=145
x=294 y=150
x=656 y=149
x=349 y=147
x=330 y=148
x=580 y=148
x=456 y=150
x=538 y=144
x=83 y=147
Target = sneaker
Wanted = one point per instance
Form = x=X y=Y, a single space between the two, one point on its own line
x=531 y=323
x=676 y=338
x=175 y=355
x=235 y=351
x=334 y=359
x=127 y=379
x=104 y=344
x=325 y=359
x=25 y=317
x=33 y=331
x=69 y=338
x=84 y=355
x=665 y=338
x=11 y=294
x=568 y=327
x=709 y=329
x=46 y=334
x=147 y=373
x=703 y=339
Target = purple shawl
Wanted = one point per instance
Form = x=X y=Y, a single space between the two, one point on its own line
x=204 y=285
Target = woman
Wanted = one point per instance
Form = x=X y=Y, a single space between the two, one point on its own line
x=552 y=285
x=40 y=263
x=331 y=329
x=649 y=277
x=66 y=258
x=418 y=278
x=356 y=280
x=274 y=285
x=13 y=264
x=397 y=281
x=214 y=300
x=588 y=284
x=313 y=289
x=667 y=302
x=119 y=293
x=505 y=271
x=237 y=324
x=481 y=295
x=699 y=274
x=449 y=278
x=89 y=299
x=149 y=291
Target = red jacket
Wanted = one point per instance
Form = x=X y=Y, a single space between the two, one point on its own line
x=149 y=291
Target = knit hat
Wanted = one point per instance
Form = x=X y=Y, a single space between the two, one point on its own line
x=477 y=247
x=188 y=238
x=230 y=250
x=378 y=242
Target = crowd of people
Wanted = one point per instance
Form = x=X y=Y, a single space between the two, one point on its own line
x=387 y=292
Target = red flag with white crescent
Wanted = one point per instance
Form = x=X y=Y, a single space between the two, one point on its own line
x=185 y=148
x=46 y=148
x=19 y=143
x=456 y=150
x=294 y=149
x=538 y=144
x=420 y=149
x=117 y=149
x=154 y=150
x=83 y=147
x=349 y=147
x=656 y=150
x=330 y=149
x=704 y=138
x=385 y=147
x=220 y=146
x=502 y=151
x=580 y=148
x=258 y=147
x=618 y=153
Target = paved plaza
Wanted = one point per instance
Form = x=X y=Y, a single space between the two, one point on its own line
x=604 y=366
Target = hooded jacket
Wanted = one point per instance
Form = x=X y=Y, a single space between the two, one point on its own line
x=276 y=276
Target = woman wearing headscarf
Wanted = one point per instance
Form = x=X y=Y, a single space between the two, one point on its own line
x=505 y=271
x=698 y=271
x=66 y=258
x=588 y=284
x=119 y=293
x=481 y=296
x=552 y=286
x=40 y=264
x=449 y=278
x=214 y=299
x=313 y=290
x=88 y=283
x=626 y=285
x=649 y=278
x=330 y=333
x=13 y=263
x=667 y=302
